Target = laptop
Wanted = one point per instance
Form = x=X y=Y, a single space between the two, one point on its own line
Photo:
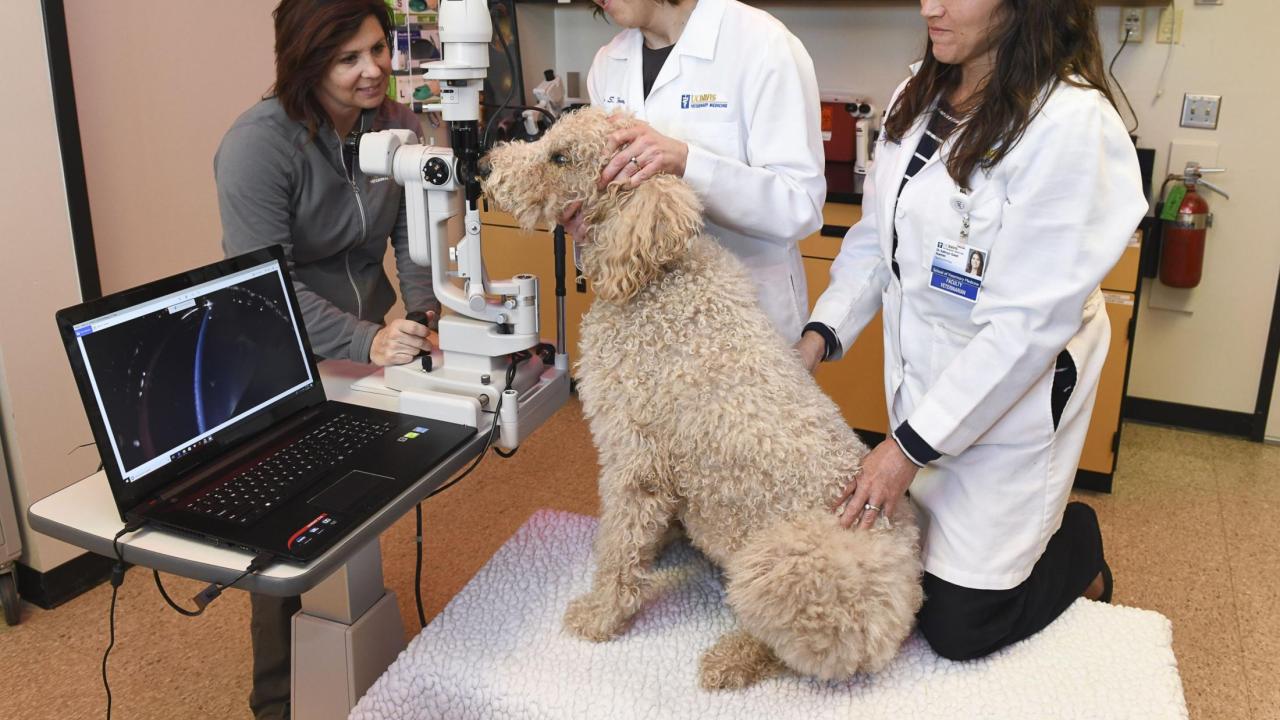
x=211 y=419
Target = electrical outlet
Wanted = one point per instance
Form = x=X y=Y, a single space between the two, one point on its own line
x=1200 y=111
x=1170 y=27
x=1131 y=21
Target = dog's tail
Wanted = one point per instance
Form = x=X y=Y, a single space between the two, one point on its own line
x=829 y=602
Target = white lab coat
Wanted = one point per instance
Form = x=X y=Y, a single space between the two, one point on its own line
x=740 y=89
x=974 y=378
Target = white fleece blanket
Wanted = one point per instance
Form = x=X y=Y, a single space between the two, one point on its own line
x=498 y=651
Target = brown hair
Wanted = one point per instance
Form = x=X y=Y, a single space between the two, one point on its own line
x=1038 y=44
x=599 y=11
x=308 y=35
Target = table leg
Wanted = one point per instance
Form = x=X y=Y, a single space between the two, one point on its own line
x=347 y=633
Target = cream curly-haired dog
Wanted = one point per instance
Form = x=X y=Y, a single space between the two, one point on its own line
x=702 y=414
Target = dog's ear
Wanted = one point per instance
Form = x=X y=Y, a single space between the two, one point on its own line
x=636 y=232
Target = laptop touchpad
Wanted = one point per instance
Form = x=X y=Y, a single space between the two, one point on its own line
x=343 y=494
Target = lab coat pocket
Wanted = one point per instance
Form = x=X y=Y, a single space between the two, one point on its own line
x=947 y=344
x=1027 y=421
x=718 y=138
x=1030 y=421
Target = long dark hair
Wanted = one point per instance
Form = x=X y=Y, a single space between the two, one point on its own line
x=1038 y=43
x=308 y=35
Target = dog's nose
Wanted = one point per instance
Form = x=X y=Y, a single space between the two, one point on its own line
x=484 y=167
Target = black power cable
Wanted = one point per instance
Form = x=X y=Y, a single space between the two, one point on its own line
x=213 y=590
x=511 y=66
x=516 y=359
x=1111 y=72
x=417 y=573
x=202 y=599
x=117 y=579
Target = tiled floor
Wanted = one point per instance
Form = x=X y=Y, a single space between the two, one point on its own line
x=1192 y=531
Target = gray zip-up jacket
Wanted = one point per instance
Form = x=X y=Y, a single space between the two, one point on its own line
x=276 y=187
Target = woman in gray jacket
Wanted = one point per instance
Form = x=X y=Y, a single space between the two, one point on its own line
x=287 y=174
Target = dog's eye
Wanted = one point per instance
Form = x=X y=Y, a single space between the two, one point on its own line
x=560 y=159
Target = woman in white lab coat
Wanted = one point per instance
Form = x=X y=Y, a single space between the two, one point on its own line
x=1006 y=142
x=730 y=102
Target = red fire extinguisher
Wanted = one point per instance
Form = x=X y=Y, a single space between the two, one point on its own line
x=1187 y=219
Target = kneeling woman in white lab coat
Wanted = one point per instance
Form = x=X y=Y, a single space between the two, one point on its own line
x=1005 y=146
x=730 y=103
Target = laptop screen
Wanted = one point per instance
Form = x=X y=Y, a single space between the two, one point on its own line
x=169 y=373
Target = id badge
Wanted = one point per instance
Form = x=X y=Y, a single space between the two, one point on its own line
x=957 y=269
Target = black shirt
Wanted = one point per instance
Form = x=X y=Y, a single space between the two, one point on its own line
x=653 y=61
x=941 y=125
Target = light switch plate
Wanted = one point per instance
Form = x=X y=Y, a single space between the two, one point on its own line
x=1200 y=111
x=1169 y=29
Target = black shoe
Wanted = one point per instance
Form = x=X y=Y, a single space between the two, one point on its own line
x=1107 y=584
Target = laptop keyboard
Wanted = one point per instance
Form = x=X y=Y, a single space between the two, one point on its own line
x=261 y=488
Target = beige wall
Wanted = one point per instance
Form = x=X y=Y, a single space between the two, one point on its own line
x=157 y=85
x=42 y=416
x=151 y=126
x=1211 y=356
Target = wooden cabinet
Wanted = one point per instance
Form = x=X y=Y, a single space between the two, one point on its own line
x=1099 y=454
x=856 y=381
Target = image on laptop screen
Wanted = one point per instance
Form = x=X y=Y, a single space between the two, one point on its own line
x=169 y=373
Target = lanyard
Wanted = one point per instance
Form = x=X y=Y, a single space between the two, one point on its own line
x=960 y=202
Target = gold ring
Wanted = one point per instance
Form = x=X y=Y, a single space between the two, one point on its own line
x=869 y=506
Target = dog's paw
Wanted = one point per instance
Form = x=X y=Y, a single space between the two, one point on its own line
x=591 y=619
x=736 y=661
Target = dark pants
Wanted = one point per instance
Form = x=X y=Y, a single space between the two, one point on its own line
x=270 y=628
x=962 y=623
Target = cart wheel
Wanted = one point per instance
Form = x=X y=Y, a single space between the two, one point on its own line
x=9 y=598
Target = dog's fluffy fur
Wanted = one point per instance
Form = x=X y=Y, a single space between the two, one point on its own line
x=705 y=419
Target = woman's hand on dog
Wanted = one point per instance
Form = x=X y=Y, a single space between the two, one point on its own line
x=883 y=481
x=400 y=341
x=641 y=153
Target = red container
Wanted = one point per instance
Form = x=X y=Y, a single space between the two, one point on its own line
x=837 y=132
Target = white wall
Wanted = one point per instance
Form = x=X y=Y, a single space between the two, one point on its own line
x=43 y=419
x=1212 y=356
